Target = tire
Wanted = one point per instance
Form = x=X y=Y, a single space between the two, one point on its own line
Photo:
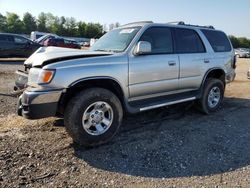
x=81 y=111
x=206 y=104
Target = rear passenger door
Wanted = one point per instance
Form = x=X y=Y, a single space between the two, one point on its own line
x=192 y=56
x=21 y=46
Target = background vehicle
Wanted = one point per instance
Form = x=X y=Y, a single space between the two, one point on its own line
x=13 y=45
x=242 y=52
x=85 y=44
x=40 y=40
x=36 y=35
x=71 y=44
x=134 y=68
x=54 y=40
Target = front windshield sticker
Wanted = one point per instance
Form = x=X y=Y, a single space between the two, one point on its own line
x=126 y=31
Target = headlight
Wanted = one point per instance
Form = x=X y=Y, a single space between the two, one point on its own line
x=40 y=76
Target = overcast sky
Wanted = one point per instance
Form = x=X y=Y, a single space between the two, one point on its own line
x=231 y=16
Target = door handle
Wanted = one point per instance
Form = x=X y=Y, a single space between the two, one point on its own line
x=171 y=63
x=206 y=61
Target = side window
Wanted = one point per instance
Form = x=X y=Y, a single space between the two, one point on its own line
x=188 y=41
x=20 y=40
x=218 y=40
x=38 y=36
x=160 y=39
x=5 y=38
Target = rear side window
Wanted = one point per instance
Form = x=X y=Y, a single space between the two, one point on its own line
x=218 y=40
x=188 y=41
x=160 y=39
x=20 y=40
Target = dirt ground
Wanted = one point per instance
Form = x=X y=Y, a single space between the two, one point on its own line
x=168 y=147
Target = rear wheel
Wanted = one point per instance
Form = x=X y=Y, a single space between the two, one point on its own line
x=93 y=117
x=212 y=96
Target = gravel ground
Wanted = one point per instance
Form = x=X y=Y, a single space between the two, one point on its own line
x=167 y=147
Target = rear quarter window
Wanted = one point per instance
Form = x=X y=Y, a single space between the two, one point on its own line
x=218 y=40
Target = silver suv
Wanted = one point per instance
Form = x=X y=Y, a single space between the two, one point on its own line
x=137 y=67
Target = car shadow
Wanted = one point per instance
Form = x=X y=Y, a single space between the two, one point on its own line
x=177 y=142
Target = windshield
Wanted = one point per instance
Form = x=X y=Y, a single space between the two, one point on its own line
x=116 y=40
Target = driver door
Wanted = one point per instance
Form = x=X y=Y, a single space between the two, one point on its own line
x=158 y=71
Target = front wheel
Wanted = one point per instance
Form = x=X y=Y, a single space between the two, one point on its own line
x=93 y=117
x=212 y=97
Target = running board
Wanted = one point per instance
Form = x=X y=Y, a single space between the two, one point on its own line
x=167 y=104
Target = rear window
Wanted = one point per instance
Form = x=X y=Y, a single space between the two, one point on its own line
x=218 y=40
x=188 y=41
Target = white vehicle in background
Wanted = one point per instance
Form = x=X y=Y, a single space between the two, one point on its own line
x=36 y=35
x=242 y=52
x=92 y=41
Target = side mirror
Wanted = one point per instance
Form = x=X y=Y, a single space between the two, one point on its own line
x=143 y=47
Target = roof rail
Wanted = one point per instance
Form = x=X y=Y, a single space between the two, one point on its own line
x=141 y=22
x=176 y=22
x=183 y=23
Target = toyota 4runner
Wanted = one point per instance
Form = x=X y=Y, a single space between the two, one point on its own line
x=136 y=67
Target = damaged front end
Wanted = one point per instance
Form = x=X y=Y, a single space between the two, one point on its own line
x=21 y=83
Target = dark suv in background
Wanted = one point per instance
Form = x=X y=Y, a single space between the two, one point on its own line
x=12 y=45
x=54 y=40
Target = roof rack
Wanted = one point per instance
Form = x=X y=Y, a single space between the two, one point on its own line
x=176 y=22
x=141 y=22
x=183 y=23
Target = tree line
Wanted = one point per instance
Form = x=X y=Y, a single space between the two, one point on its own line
x=47 y=22
x=240 y=42
x=68 y=26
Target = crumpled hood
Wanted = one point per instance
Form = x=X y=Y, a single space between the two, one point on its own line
x=54 y=54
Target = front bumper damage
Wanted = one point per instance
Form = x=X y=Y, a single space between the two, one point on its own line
x=34 y=104
x=38 y=104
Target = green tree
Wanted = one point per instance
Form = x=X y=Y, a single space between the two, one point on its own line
x=241 y=42
x=234 y=41
x=71 y=27
x=52 y=23
x=47 y=22
x=41 y=22
x=81 y=29
x=3 y=23
x=244 y=42
x=61 y=29
x=94 y=30
x=29 y=23
x=14 y=24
